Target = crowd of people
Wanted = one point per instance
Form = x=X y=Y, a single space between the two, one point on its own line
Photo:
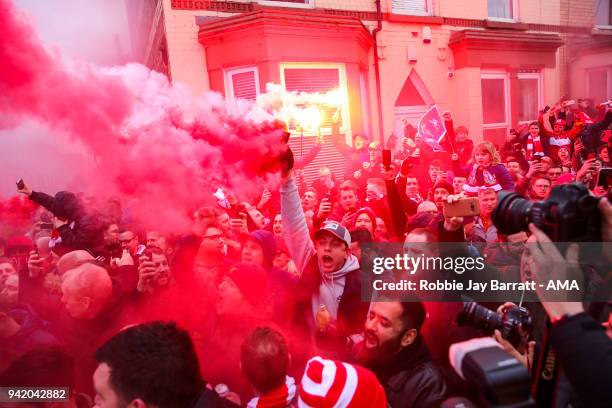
x=260 y=304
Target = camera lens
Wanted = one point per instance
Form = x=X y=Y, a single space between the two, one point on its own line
x=479 y=316
x=511 y=215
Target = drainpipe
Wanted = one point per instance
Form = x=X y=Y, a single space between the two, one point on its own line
x=377 y=72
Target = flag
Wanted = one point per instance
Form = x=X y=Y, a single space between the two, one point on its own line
x=432 y=129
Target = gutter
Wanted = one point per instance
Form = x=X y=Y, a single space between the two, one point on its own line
x=377 y=71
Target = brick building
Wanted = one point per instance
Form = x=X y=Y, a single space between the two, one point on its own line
x=494 y=63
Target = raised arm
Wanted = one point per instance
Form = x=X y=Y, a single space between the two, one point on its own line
x=295 y=229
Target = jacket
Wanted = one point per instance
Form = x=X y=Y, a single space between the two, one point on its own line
x=585 y=354
x=410 y=378
x=87 y=233
x=349 y=312
x=495 y=177
x=34 y=332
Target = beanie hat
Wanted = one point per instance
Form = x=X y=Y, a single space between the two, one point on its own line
x=267 y=242
x=252 y=281
x=445 y=185
x=329 y=383
x=368 y=211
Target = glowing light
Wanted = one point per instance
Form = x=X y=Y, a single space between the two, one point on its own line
x=307 y=110
x=309 y=118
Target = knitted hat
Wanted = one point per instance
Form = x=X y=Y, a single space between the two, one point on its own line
x=369 y=212
x=267 y=242
x=445 y=185
x=329 y=383
x=252 y=281
x=560 y=122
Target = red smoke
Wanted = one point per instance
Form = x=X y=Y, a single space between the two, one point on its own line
x=156 y=145
x=17 y=211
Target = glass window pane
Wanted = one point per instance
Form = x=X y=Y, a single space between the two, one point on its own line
x=598 y=85
x=493 y=101
x=528 y=110
x=500 y=8
x=602 y=12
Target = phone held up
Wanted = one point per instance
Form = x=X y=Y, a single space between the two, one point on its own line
x=386 y=158
x=465 y=207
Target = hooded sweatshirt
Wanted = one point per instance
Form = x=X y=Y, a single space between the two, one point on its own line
x=301 y=248
x=332 y=288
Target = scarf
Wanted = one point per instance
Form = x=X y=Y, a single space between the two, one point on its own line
x=534 y=147
x=281 y=397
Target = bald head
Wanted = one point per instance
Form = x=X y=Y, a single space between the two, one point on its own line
x=72 y=259
x=85 y=290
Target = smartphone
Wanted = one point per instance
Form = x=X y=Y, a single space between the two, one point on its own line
x=46 y=225
x=604 y=177
x=465 y=207
x=20 y=184
x=386 y=158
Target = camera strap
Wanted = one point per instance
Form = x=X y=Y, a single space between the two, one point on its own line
x=543 y=388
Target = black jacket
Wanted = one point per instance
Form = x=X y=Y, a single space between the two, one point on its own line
x=87 y=232
x=585 y=356
x=411 y=378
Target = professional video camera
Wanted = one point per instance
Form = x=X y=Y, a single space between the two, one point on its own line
x=515 y=324
x=501 y=380
x=570 y=214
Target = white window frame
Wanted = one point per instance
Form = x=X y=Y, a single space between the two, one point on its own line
x=309 y=4
x=515 y=14
x=608 y=70
x=603 y=26
x=490 y=74
x=538 y=76
x=428 y=10
x=346 y=119
x=229 y=85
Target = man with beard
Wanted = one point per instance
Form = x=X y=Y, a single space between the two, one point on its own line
x=395 y=351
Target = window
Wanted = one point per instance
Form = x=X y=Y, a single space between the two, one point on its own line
x=321 y=78
x=530 y=91
x=502 y=9
x=288 y=3
x=599 y=84
x=317 y=78
x=411 y=7
x=495 y=105
x=603 y=13
x=242 y=83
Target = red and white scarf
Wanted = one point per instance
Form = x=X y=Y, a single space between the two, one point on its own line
x=282 y=397
x=534 y=147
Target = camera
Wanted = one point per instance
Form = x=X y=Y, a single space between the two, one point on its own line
x=512 y=324
x=570 y=214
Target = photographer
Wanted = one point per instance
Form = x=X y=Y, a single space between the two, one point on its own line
x=580 y=342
